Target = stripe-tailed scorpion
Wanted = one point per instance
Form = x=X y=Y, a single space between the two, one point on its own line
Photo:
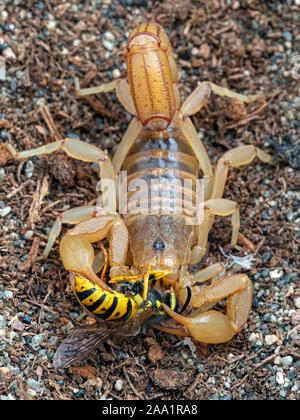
x=168 y=213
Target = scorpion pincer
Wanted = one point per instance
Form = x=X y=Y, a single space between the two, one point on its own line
x=162 y=153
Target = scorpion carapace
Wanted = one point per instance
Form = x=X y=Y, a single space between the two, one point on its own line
x=165 y=218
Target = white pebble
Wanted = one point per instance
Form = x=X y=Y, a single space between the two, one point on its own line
x=277 y=360
x=119 y=385
x=29 y=169
x=252 y=337
x=5 y=211
x=4 y=15
x=28 y=234
x=279 y=378
x=116 y=73
x=51 y=25
x=287 y=360
x=276 y=274
x=109 y=36
x=31 y=392
x=271 y=339
x=2 y=174
x=297 y=302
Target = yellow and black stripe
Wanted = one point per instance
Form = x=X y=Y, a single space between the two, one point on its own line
x=108 y=306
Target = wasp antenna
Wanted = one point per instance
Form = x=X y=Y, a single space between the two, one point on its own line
x=105 y=262
x=146 y=283
x=188 y=299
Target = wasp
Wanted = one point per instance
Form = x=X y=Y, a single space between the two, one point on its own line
x=118 y=313
x=166 y=219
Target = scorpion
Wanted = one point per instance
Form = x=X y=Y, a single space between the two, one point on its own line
x=159 y=151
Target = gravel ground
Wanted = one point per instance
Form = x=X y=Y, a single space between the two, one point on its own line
x=249 y=46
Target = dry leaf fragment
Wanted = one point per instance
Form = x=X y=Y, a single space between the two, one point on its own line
x=170 y=378
x=155 y=351
x=87 y=372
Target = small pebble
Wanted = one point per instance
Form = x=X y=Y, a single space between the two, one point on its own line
x=2 y=174
x=4 y=135
x=297 y=302
x=5 y=211
x=8 y=294
x=271 y=339
x=276 y=274
x=29 y=169
x=26 y=319
x=36 y=340
x=31 y=392
x=28 y=234
x=277 y=360
x=279 y=378
x=108 y=45
x=16 y=324
x=116 y=73
x=287 y=360
x=51 y=25
x=119 y=385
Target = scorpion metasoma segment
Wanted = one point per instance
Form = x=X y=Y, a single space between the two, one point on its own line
x=161 y=152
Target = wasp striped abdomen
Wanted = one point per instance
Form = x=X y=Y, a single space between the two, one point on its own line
x=108 y=306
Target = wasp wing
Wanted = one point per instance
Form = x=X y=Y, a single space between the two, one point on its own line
x=81 y=343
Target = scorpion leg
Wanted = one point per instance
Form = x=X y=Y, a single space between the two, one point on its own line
x=84 y=152
x=235 y=158
x=187 y=128
x=72 y=217
x=131 y=134
x=213 y=326
x=211 y=208
x=122 y=91
x=135 y=126
x=80 y=150
x=221 y=91
x=92 y=230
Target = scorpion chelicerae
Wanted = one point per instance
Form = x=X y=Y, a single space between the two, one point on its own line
x=162 y=226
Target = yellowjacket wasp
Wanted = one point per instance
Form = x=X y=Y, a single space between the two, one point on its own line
x=120 y=312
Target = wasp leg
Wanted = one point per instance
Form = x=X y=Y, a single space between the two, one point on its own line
x=213 y=326
x=211 y=208
x=186 y=284
x=122 y=92
x=236 y=157
x=95 y=229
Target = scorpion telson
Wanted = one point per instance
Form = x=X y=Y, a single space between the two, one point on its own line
x=159 y=151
